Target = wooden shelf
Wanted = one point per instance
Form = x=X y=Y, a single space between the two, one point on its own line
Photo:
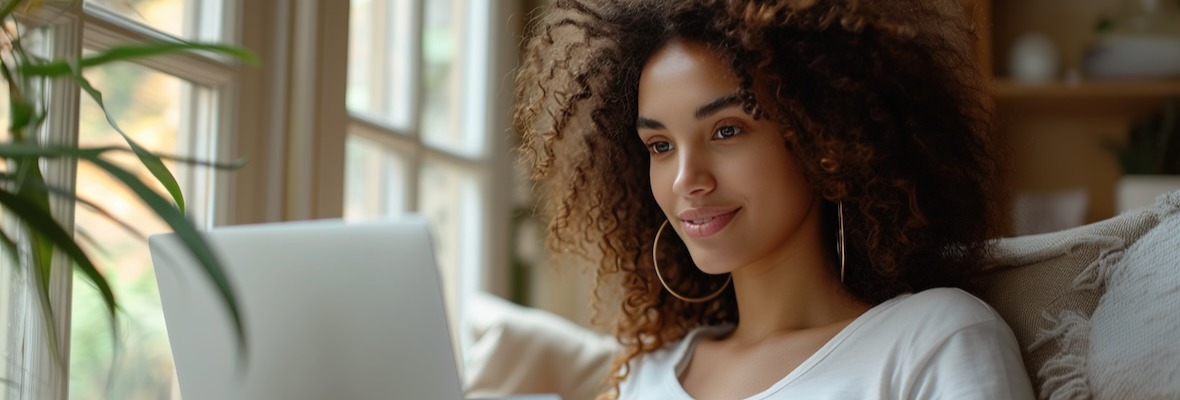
x=1058 y=134
x=1106 y=90
x=1122 y=97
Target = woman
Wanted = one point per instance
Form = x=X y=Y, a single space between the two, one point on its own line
x=787 y=193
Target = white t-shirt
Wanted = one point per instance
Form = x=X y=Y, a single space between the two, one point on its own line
x=936 y=344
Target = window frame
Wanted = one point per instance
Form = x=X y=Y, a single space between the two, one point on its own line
x=490 y=39
x=37 y=371
x=292 y=135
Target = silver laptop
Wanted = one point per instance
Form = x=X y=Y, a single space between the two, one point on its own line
x=331 y=310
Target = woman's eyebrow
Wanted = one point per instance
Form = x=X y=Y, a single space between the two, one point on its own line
x=717 y=105
x=705 y=111
x=646 y=123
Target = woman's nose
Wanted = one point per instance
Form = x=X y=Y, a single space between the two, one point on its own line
x=694 y=176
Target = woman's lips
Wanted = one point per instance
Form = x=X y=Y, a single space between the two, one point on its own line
x=702 y=226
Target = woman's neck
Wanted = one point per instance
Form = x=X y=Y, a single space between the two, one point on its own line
x=792 y=290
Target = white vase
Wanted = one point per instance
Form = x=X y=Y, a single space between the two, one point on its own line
x=1136 y=191
x=1033 y=59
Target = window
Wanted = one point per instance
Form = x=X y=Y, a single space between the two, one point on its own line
x=160 y=113
x=424 y=131
x=427 y=131
x=178 y=104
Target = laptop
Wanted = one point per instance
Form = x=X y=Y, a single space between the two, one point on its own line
x=332 y=310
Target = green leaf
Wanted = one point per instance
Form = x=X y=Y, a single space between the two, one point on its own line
x=134 y=52
x=149 y=160
x=92 y=206
x=17 y=150
x=21 y=112
x=9 y=7
x=28 y=150
x=1151 y=146
x=48 y=321
x=39 y=220
x=30 y=186
x=1103 y=25
x=184 y=229
x=29 y=183
x=103 y=212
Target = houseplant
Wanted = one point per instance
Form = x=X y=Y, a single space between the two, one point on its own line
x=1150 y=158
x=33 y=235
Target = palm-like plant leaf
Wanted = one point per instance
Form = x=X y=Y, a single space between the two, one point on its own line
x=149 y=160
x=94 y=207
x=25 y=191
x=170 y=214
x=134 y=52
x=197 y=246
x=8 y=8
x=39 y=220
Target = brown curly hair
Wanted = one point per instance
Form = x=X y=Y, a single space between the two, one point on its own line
x=883 y=105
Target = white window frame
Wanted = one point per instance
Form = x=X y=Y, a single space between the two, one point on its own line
x=35 y=373
x=489 y=57
x=292 y=133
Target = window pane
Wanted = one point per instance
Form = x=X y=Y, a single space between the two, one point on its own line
x=190 y=19
x=443 y=114
x=154 y=109
x=451 y=199
x=381 y=61
x=375 y=182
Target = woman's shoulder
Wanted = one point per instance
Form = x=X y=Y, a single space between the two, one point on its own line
x=954 y=345
x=950 y=309
x=947 y=298
x=913 y=328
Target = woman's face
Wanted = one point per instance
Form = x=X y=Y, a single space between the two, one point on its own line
x=725 y=181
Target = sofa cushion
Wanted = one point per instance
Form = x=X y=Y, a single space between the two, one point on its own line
x=1048 y=286
x=519 y=350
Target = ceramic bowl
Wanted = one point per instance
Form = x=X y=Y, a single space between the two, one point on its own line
x=1133 y=57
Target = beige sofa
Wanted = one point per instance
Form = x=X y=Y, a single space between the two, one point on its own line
x=1096 y=310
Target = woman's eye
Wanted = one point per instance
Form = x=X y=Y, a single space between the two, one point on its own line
x=659 y=147
x=726 y=132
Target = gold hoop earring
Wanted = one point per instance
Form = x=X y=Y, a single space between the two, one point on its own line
x=655 y=264
x=840 y=242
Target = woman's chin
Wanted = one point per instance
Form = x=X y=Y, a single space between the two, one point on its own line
x=712 y=266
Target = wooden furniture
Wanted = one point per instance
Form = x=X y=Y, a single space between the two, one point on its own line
x=1058 y=134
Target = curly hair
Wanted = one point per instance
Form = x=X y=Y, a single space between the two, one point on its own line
x=882 y=102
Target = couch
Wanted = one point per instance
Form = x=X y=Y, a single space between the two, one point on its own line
x=1096 y=310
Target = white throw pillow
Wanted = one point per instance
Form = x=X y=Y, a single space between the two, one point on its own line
x=1134 y=349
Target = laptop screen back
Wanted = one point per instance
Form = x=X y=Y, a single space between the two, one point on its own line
x=331 y=311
